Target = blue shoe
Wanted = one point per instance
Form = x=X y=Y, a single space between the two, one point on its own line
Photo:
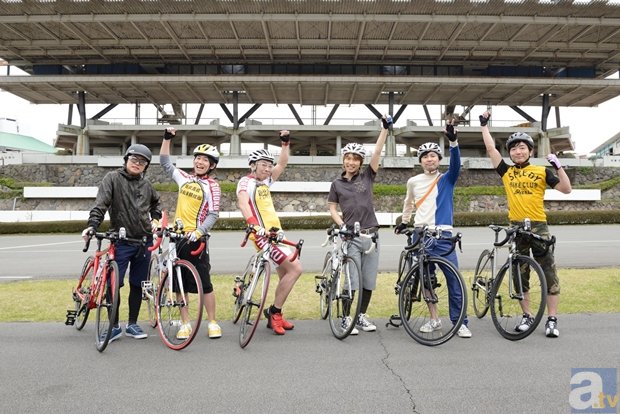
x=117 y=331
x=135 y=331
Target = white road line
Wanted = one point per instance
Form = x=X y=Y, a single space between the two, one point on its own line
x=39 y=245
x=16 y=277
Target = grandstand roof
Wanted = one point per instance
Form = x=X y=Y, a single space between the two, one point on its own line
x=25 y=143
x=459 y=52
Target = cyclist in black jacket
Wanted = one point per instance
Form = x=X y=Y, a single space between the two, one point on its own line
x=132 y=203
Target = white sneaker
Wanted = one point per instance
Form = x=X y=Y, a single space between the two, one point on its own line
x=464 y=332
x=364 y=324
x=346 y=322
x=430 y=326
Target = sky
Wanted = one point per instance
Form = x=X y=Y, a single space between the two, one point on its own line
x=589 y=127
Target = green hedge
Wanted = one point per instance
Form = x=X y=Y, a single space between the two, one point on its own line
x=322 y=222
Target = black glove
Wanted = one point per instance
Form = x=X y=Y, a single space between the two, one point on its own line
x=285 y=138
x=450 y=132
x=400 y=228
x=168 y=135
x=484 y=119
x=387 y=122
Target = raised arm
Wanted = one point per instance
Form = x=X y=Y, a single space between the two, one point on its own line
x=285 y=139
x=489 y=142
x=386 y=122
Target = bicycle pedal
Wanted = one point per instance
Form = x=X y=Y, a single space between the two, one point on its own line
x=71 y=315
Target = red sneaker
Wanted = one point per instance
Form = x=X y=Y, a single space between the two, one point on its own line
x=277 y=322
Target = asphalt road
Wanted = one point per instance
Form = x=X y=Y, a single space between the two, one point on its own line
x=60 y=256
x=52 y=368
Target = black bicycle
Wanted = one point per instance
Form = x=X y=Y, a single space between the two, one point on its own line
x=518 y=290
x=423 y=290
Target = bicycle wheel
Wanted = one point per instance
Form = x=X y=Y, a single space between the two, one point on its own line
x=81 y=293
x=513 y=295
x=149 y=289
x=428 y=289
x=404 y=266
x=344 y=298
x=323 y=283
x=245 y=280
x=480 y=284
x=107 y=305
x=254 y=300
x=179 y=305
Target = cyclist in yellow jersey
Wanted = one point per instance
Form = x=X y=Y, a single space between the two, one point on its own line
x=198 y=207
x=525 y=186
x=256 y=205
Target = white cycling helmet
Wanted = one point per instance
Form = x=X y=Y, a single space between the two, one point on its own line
x=210 y=152
x=261 y=154
x=517 y=137
x=354 y=148
x=429 y=147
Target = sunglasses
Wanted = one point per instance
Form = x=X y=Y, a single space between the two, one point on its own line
x=138 y=160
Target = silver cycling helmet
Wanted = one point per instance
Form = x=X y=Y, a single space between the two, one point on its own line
x=261 y=154
x=429 y=147
x=517 y=137
x=354 y=148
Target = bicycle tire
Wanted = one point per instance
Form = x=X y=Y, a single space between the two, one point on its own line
x=254 y=298
x=150 y=294
x=481 y=283
x=506 y=312
x=174 y=309
x=324 y=285
x=416 y=295
x=343 y=301
x=107 y=305
x=82 y=300
x=405 y=263
x=246 y=278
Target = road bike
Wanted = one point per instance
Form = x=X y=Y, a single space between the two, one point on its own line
x=98 y=286
x=428 y=288
x=518 y=288
x=173 y=290
x=339 y=281
x=250 y=289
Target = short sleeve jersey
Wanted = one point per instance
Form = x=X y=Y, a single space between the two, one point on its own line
x=260 y=201
x=197 y=198
x=355 y=198
x=525 y=190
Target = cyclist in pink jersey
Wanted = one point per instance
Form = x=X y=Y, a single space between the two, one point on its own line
x=256 y=205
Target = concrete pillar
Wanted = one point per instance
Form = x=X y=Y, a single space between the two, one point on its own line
x=338 y=144
x=82 y=147
x=313 y=149
x=184 y=144
x=134 y=139
x=544 y=146
x=235 y=144
x=390 y=146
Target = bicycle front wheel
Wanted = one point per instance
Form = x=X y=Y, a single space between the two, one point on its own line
x=254 y=300
x=82 y=293
x=238 y=294
x=323 y=283
x=432 y=301
x=149 y=289
x=107 y=305
x=345 y=298
x=524 y=292
x=480 y=284
x=179 y=305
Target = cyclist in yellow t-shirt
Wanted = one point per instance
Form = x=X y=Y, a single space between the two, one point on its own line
x=256 y=205
x=525 y=186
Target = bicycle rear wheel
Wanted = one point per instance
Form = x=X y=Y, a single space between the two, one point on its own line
x=179 y=305
x=323 y=283
x=246 y=278
x=513 y=295
x=480 y=284
x=149 y=289
x=345 y=298
x=107 y=305
x=82 y=292
x=428 y=289
x=254 y=300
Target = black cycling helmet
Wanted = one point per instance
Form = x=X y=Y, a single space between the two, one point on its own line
x=517 y=137
x=141 y=150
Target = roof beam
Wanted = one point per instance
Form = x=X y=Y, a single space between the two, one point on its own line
x=175 y=38
x=360 y=37
x=267 y=40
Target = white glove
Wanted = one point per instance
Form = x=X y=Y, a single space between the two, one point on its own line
x=260 y=231
x=194 y=236
x=280 y=236
x=553 y=160
x=154 y=225
x=85 y=234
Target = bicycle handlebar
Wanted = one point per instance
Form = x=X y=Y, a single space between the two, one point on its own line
x=435 y=233
x=113 y=236
x=174 y=233
x=349 y=235
x=275 y=237
x=518 y=230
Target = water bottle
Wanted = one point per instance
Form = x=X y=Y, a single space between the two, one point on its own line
x=356 y=227
x=527 y=224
